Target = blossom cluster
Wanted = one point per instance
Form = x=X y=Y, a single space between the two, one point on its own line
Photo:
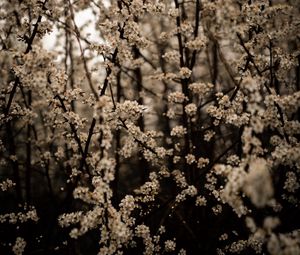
x=149 y=127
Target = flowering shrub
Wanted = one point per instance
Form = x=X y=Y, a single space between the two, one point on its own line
x=153 y=127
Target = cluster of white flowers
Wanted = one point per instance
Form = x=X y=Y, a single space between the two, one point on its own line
x=171 y=56
x=157 y=7
x=286 y=154
x=230 y=193
x=179 y=178
x=185 y=72
x=200 y=88
x=129 y=147
x=144 y=232
x=230 y=111
x=208 y=135
x=190 y=191
x=191 y=109
x=284 y=243
x=291 y=183
x=170 y=246
x=127 y=205
x=106 y=169
x=178 y=131
x=129 y=110
x=173 y=12
x=19 y=246
x=65 y=220
x=201 y=201
x=258 y=183
x=190 y=159
x=176 y=97
x=196 y=44
x=238 y=247
x=19 y=217
x=6 y=184
x=202 y=162
x=148 y=191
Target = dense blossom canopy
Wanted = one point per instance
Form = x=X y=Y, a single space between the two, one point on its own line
x=150 y=127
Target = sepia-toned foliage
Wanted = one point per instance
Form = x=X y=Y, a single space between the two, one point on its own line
x=150 y=127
